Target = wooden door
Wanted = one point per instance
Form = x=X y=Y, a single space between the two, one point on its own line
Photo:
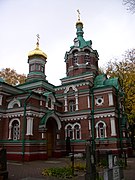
x=51 y=136
x=50 y=143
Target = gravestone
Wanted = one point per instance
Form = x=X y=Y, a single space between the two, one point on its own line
x=113 y=172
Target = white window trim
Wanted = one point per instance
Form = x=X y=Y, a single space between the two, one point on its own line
x=66 y=127
x=88 y=102
x=52 y=102
x=10 y=127
x=16 y=132
x=96 y=101
x=76 y=97
x=110 y=97
x=1 y=96
x=13 y=102
x=73 y=130
x=113 y=126
x=43 y=135
x=29 y=126
x=72 y=106
x=65 y=98
x=97 y=129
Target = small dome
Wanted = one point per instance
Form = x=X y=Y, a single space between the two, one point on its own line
x=37 y=51
x=79 y=23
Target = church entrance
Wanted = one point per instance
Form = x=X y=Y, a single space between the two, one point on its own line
x=51 y=126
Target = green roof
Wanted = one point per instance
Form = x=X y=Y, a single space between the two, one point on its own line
x=1 y=80
x=112 y=81
x=99 y=80
x=102 y=81
x=46 y=94
x=45 y=117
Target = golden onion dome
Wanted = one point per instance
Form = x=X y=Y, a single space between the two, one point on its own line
x=37 y=52
x=79 y=22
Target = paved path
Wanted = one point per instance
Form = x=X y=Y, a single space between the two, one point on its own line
x=33 y=170
x=129 y=172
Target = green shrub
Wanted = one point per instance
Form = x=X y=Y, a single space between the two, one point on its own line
x=63 y=172
x=103 y=163
x=79 y=166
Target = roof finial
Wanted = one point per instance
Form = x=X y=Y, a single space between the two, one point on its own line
x=78 y=14
x=38 y=37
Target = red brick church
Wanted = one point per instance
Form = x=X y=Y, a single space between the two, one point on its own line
x=37 y=117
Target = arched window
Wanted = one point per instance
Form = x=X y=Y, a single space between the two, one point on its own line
x=73 y=131
x=38 y=67
x=49 y=103
x=32 y=67
x=77 y=131
x=75 y=57
x=14 y=129
x=42 y=69
x=15 y=106
x=76 y=42
x=87 y=56
x=101 y=129
x=72 y=105
x=75 y=104
x=50 y=100
x=14 y=103
x=69 y=131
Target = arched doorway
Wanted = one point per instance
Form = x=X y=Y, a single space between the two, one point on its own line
x=51 y=134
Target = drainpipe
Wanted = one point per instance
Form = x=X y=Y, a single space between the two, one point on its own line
x=24 y=125
x=92 y=122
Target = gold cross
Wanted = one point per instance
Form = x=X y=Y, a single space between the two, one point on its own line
x=78 y=14
x=38 y=37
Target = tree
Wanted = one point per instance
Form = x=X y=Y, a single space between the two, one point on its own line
x=130 y=5
x=11 y=77
x=125 y=71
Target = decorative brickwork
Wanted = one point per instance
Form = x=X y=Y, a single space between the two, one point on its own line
x=36 y=117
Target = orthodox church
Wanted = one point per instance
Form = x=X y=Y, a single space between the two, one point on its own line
x=37 y=118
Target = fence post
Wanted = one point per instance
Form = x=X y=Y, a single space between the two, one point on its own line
x=90 y=163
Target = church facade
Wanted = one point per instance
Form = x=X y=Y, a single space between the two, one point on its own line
x=37 y=117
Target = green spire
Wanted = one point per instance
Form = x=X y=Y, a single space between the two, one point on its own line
x=79 y=26
x=79 y=41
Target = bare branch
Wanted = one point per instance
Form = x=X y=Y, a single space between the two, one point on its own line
x=130 y=5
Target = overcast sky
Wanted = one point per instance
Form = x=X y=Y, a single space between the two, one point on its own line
x=106 y=22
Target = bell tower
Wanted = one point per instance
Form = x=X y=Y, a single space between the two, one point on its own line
x=37 y=60
x=81 y=58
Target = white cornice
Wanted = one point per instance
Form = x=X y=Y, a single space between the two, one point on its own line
x=63 y=87
x=36 y=84
x=72 y=118
x=102 y=90
x=21 y=114
x=104 y=115
x=77 y=78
